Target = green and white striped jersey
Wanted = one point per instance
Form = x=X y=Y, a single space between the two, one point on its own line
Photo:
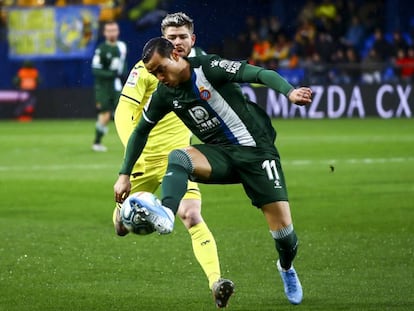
x=212 y=105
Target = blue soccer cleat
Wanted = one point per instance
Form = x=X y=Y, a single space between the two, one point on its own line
x=291 y=283
x=161 y=217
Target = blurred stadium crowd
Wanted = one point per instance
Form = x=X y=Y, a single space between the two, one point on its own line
x=327 y=41
x=332 y=42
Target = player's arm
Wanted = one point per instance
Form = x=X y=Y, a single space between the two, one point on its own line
x=242 y=72
x=135 y=146
x=104 y=73
x=153 y=112
x=123 y=69
x=98 y=69
x=270 y=78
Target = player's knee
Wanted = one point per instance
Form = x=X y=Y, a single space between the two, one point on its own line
x=101 y=127
x=190 y=212
x=180 y=157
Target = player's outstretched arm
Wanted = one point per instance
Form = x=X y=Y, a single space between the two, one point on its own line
x=270 y=78
x=300 y=96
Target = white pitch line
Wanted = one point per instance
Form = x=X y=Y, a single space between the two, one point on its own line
x=57 y=167
x=345 y=139
x=349 y=161
x=284 y=162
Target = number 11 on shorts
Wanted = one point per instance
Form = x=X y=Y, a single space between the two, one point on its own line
x=270 y=167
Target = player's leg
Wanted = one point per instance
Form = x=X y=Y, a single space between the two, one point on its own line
x=280 y=224
x=268 y=191
x=183 y=164
x=104 y=114
x=101 y=128
x=193 y=163
x=125 y=119
x=278 y=217
x=204 y=244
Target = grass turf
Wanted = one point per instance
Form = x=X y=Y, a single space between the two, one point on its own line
x=355 y=224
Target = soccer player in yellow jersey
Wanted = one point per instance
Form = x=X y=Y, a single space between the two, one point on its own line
x=170 y=133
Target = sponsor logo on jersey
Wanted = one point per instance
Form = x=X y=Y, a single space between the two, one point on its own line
x=201 y=116
x=176 y=104
x=228 y=65
x=132 y=78
x=214 y=63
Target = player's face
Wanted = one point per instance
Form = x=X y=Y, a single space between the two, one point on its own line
x=182 y=39
x=111 y=32
x=168 y=70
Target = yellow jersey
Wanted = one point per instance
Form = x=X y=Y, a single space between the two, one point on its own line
x=170 y=133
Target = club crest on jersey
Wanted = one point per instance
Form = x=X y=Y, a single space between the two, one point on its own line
x=205 y=94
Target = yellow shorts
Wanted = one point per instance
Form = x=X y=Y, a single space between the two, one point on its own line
x=150 y=167
x=152 y=178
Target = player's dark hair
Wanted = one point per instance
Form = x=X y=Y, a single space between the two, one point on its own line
x=160 y=45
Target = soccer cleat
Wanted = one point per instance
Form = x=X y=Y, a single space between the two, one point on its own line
x=99 y=148
x=222 y=290
x=162 y=218
x=291 y=283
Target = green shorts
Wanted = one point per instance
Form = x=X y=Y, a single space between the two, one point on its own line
x=106 y=98
x=257 y=169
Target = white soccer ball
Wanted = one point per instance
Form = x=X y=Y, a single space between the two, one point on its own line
x=132 y=215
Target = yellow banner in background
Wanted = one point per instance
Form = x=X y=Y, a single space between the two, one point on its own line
x=51 y=32
x=32 y=31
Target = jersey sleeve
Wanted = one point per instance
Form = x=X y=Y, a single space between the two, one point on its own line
x=222 y=70
x=155 y=109
x=123 y=66
x=139 y=85
x=99 y=68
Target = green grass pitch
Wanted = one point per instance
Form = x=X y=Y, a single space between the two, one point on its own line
x=58 y=250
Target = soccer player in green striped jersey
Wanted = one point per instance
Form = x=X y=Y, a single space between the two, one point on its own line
x=238 y=137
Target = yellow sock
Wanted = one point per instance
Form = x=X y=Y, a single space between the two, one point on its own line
x=205 y=251
x=114 y=214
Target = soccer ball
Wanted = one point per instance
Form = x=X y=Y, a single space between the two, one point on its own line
x=132 y=214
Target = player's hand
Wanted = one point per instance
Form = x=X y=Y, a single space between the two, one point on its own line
x=301 y=96
x=122 y=188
